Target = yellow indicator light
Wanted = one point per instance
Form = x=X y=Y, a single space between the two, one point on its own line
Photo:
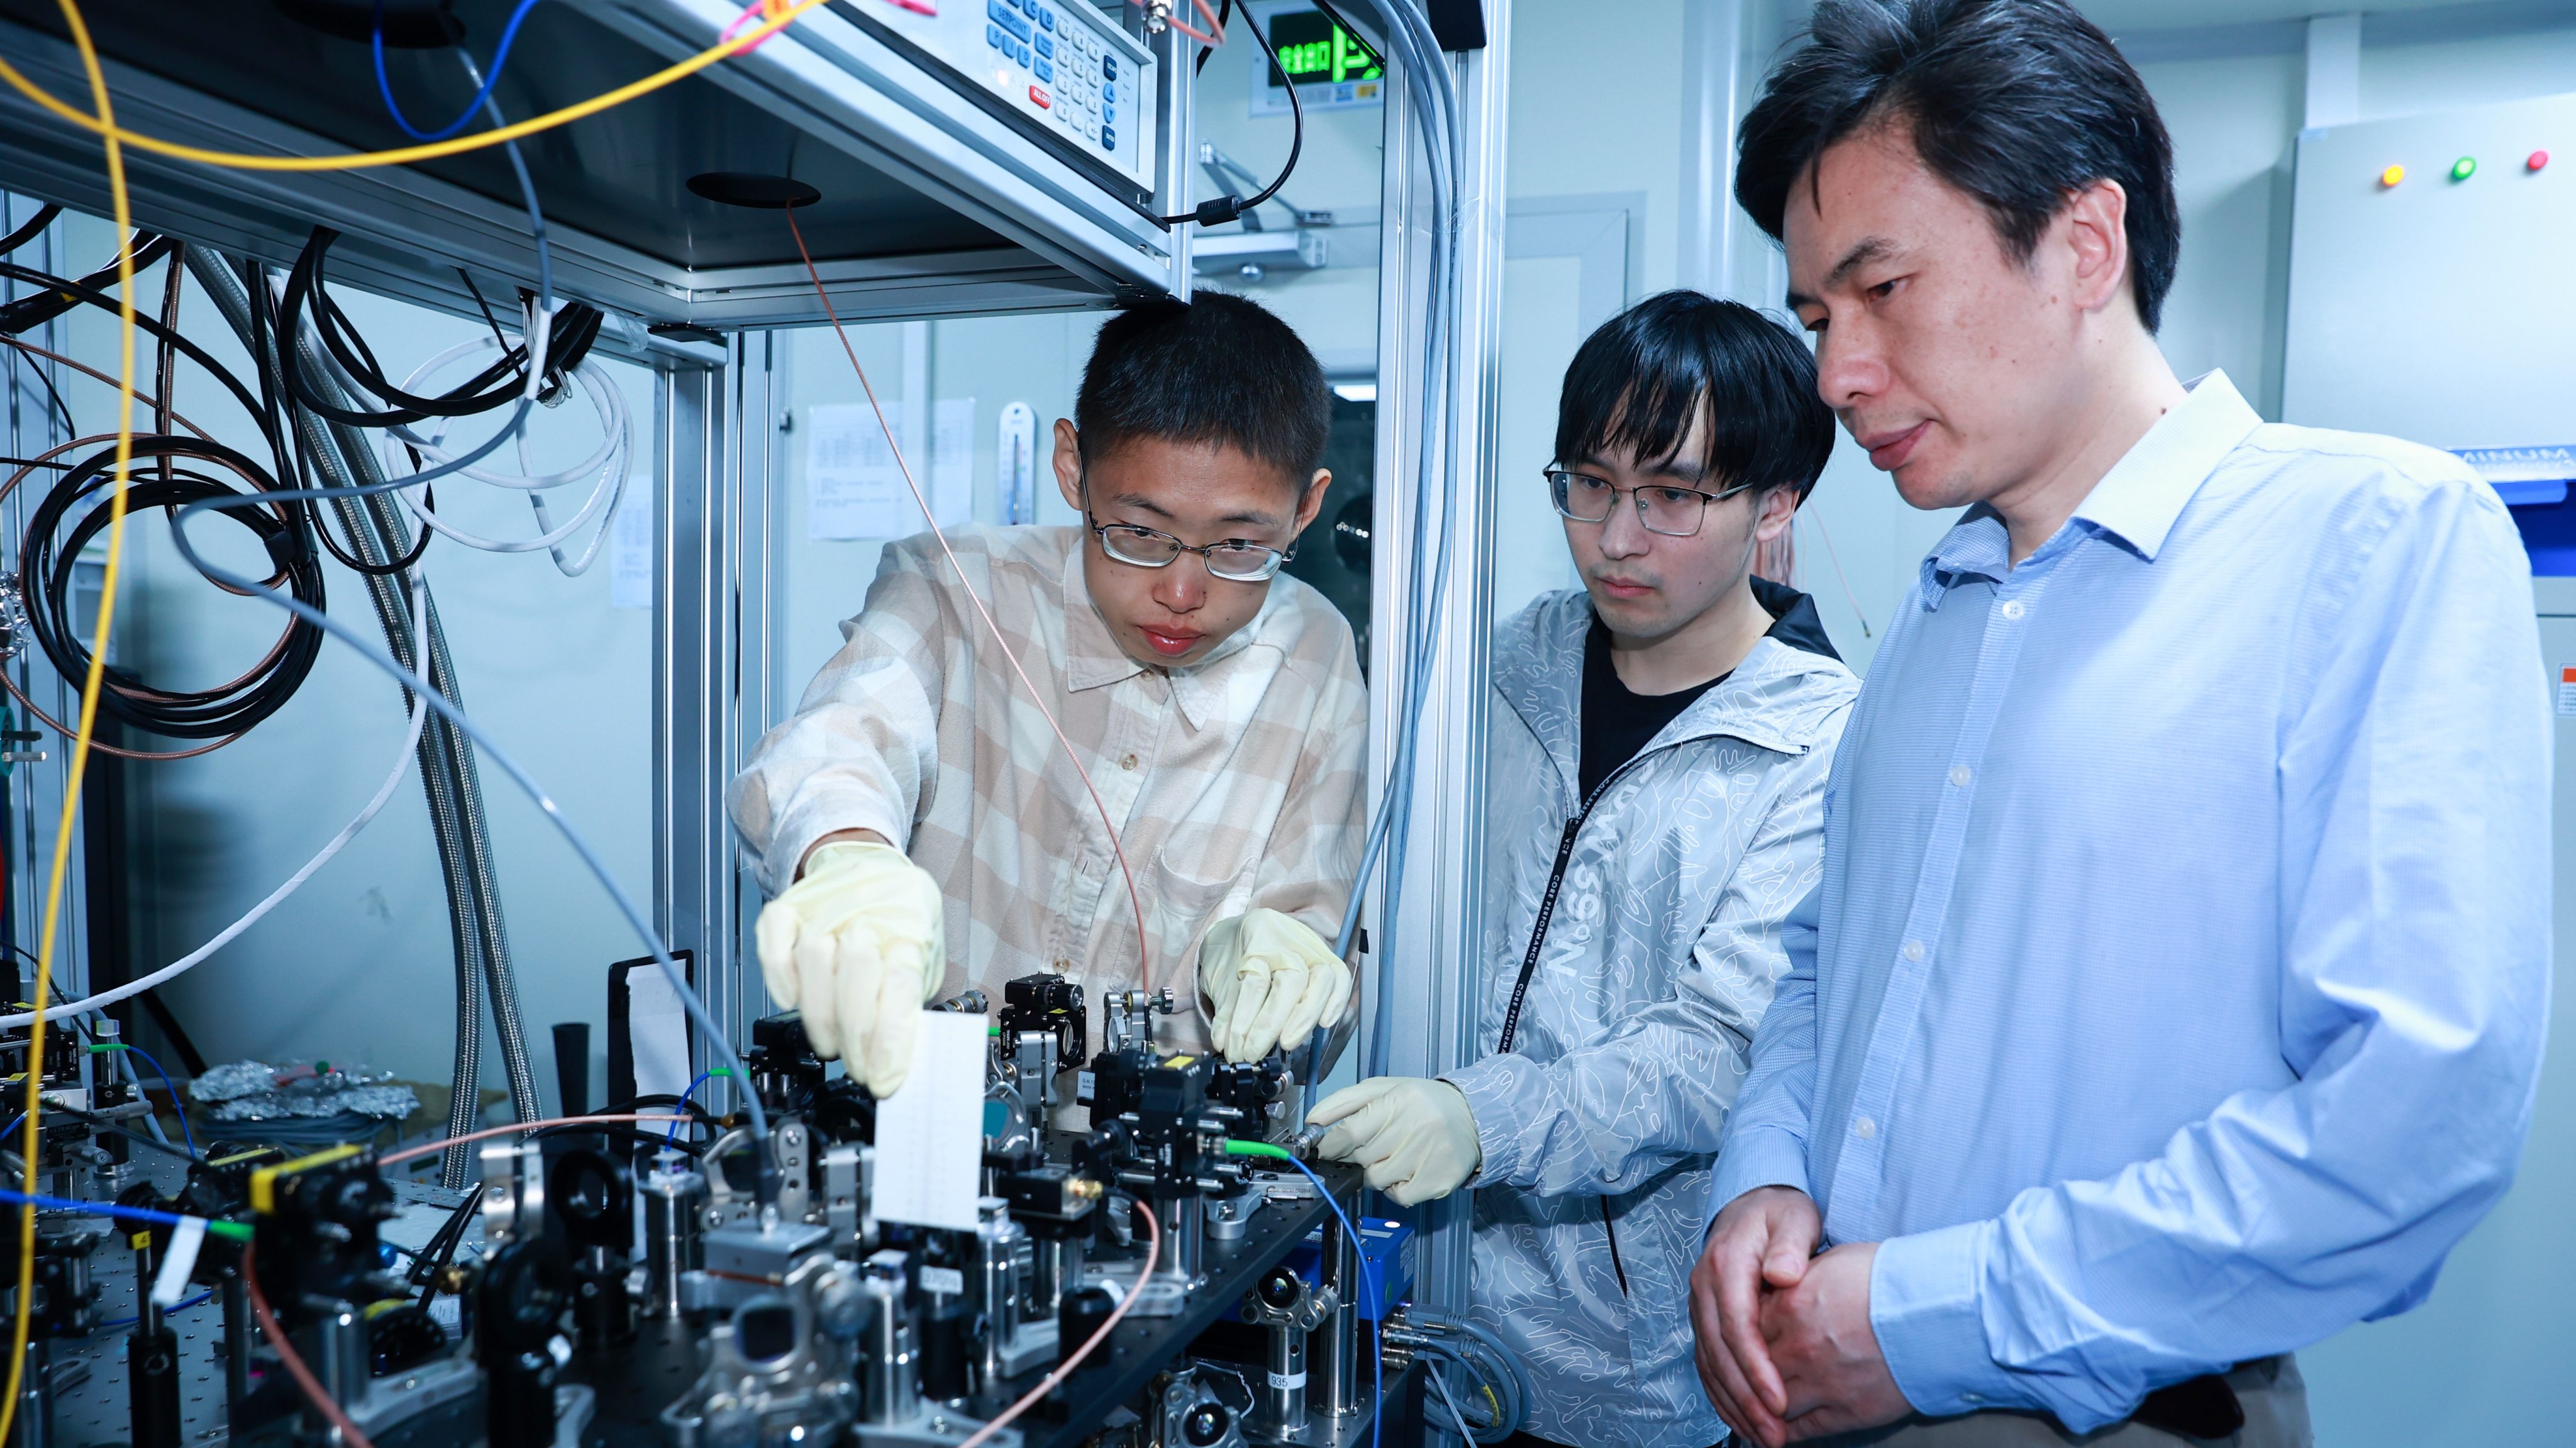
x=2392 y=175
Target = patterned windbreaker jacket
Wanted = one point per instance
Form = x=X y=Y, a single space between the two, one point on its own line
x=1235 y=782
x=1660 y=955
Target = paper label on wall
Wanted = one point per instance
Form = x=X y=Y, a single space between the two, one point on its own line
x=1015 y=462
x=952 y=461
x=2567 y=691
x=630 y=547
x=852 y=487
x=930 y=1134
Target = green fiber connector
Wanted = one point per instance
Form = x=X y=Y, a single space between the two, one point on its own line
x=231 y=1231
x=1258 y=1148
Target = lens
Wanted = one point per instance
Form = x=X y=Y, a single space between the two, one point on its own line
x=1672 y=511
x=1243 y=564
x=1584 y=499
x=1141 y=546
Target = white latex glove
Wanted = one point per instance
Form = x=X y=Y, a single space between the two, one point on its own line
x=855 y=945
x=1416 y=1137
x=1271 y=982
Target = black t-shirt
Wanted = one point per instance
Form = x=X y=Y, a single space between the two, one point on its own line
x=1617 y=723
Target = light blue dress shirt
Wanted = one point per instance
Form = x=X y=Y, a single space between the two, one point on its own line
x=2175 y=989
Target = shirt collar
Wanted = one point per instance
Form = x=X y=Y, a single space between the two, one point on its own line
x=1093 y=659
x=2136 y=503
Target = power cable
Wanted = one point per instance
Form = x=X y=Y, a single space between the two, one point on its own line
x=1217 y=211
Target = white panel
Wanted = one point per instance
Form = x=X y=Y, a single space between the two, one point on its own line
x=2429 y=309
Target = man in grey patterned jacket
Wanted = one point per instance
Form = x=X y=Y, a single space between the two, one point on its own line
x=1659 y=755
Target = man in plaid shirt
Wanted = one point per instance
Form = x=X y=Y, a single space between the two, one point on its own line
x=919 y=825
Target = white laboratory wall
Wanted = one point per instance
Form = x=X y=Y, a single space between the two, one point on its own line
x=357 y=966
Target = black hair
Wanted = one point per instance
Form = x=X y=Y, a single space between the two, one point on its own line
x=1215 y=369
x=2019 y=103
x=1638 y=382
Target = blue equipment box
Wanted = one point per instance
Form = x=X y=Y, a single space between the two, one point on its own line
x=1384 y=1264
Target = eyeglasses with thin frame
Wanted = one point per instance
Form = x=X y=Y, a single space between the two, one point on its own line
x=1236 y=560
x=1673 y=511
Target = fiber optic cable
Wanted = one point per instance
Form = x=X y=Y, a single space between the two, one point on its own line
x=519 y=775
x=1136 y=900
x=177 y=1105
x=1368 y=1274
x=400 y=155
x=500 y=58
x=384 y=794
x=78 y=770
x=1099 y=1335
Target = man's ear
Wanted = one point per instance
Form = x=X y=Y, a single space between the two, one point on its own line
x=1779 y=509
x=2095 y=228
x=1313 y=503
x=1068 y=463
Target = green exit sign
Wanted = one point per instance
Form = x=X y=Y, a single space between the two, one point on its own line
x=1327 y=63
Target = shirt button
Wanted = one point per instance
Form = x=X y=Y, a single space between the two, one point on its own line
x=1127 y=762
x=1959 y=775
x=1914 y=950
x=2013 y=608
x=1972 y=1397
x=1864 y=1128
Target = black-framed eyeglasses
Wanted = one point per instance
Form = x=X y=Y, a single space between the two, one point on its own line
x=1235 y=560
x=1674 y=512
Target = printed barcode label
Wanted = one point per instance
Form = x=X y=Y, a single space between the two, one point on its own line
x=1082 y=1081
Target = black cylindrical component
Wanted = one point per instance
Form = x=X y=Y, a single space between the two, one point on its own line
x=603 y=1311
x=947 y=1346
x=572 y=1066
x=151 y=1361
x=236 y=1339
x=524 y=1290
x=1081 y=1315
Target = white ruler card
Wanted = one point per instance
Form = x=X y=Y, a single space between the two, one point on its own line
x=930 y=1134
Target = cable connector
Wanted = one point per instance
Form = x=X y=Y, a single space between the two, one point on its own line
x=1217 y=211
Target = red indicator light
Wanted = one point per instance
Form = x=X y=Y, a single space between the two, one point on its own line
x=2536 y=160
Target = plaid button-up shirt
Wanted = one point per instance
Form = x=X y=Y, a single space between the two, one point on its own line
x=1236 y=782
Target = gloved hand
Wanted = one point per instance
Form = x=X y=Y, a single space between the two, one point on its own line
x=1272 y=981
x=855 y=944
x=1416 y=1137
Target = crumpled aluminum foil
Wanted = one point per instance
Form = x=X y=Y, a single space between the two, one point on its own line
x=257 y=1091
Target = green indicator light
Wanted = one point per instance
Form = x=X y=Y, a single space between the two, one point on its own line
x=2464 y=168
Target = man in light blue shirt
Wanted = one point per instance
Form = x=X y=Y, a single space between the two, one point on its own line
x=2174 y=994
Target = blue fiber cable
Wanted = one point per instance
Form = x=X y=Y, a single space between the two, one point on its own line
x=519 y=775
x=683 y=1108
x=1359 y=1254
x=181 y=1305
x=237 y=1231
x=500 y=58
x=176 y=1104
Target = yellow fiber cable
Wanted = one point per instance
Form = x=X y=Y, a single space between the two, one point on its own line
x=106 y=126
x=777 y=15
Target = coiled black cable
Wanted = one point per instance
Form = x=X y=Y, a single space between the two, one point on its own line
x=497 y=385
x=59 y=527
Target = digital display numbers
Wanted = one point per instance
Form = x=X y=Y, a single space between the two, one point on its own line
x=1315 y=51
